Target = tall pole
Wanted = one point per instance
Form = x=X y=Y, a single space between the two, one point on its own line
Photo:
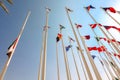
x=43 y=75
x=83 y=58
x=81 y=64
x=10 y=57
x=90 y=59
x=66 y=61
x=75 y=62
x=58 y=70
x=41 y=57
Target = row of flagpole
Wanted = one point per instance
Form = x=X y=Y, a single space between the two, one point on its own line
x=43 y=53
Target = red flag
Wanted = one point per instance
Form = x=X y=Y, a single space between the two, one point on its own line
x=59 y=36
x=93 y=25
x=92 y=48
x=111 y=9
x=87 y=37
x=115 y=54
x=101 y=48
x=78 y=25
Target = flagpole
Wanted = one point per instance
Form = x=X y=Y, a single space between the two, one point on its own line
x=90 y=58
x=102 y=30
x=58 y=70
x=83 y=58
x=75 y=62
x=41 y=57
x=10 y=57
x=104 y=69
x=66 y=61
x=43 y=75
x=82 y=64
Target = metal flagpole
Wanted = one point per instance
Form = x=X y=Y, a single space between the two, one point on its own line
x=81 y=64
x=11 y=54
x=104 y=68
x=84 y=61
x=41 y=57
x=102 y=30
x=90 y=58
x=75 y=62
x=43 y=75
x=58 y=71
x=66 y=61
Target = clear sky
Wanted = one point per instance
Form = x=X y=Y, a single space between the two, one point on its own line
x=25 y=62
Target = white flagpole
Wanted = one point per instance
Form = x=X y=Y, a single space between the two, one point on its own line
x=43 y=75
x=75 y=62
x=90 y=58
x=81 y=64
x=84 y=61
x=58 y=70
x=9 y=58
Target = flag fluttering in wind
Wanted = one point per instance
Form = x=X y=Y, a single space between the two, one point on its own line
x=111 y=9
x=71 y=39
x=102 y=38
x=12 y=47
x=109 y=27
x=69 y=10
x=68 y=47
x=90 y=7
x=59 y=36
x=4 y=7
x=45 y=27
x=87 y=37
x=61 y=27
x=10 y=1
x=78 y=25
x=101 y=49
x=94 y=25
x=92 y=48
x=93 y=56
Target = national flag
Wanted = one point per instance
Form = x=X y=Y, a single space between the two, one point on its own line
x=78 y=25
x=118 y=56
x=113 y=40
x=11 y=47
x=59 y=36
x=48 y=9
x=109 y=27
x=115 y=54
x=10 y=1
x=90 y=7
x=71 y=39
x=93 y=56
x=97 y=38
x=87 y=37
x=111 y=9
x=93 y=25
x=69 y=10
x=68 y=47
x=61 y=27
x=4 y=7
x=92 y=48
x=101 y=48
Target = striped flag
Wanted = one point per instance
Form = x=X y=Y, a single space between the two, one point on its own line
x=111 y=9
x=12 y=47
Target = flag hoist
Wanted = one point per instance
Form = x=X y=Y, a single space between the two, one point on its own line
x=12 y=47
x=80 y=49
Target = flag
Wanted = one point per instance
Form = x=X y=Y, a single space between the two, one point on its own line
x=97 y=38
x=87 y=37
x=59 y=36
x=4 y=7
x=92 y=48
x=111 y=9
x=90 y=7
x=45 y=27
x=93 y=25
x=112 y=63
x=69 y=10
x=109 y=27
x=78 y=25
x=115 y=54
x=93 y=56
x=61 y=27
x=101 y=48
x=77 y=48
x=48 y=9
x=71 y=39
x=10 y=1
x=101 y=62
x=68 y=47
x=11 y=47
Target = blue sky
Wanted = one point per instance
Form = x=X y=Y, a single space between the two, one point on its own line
x=25 y=61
